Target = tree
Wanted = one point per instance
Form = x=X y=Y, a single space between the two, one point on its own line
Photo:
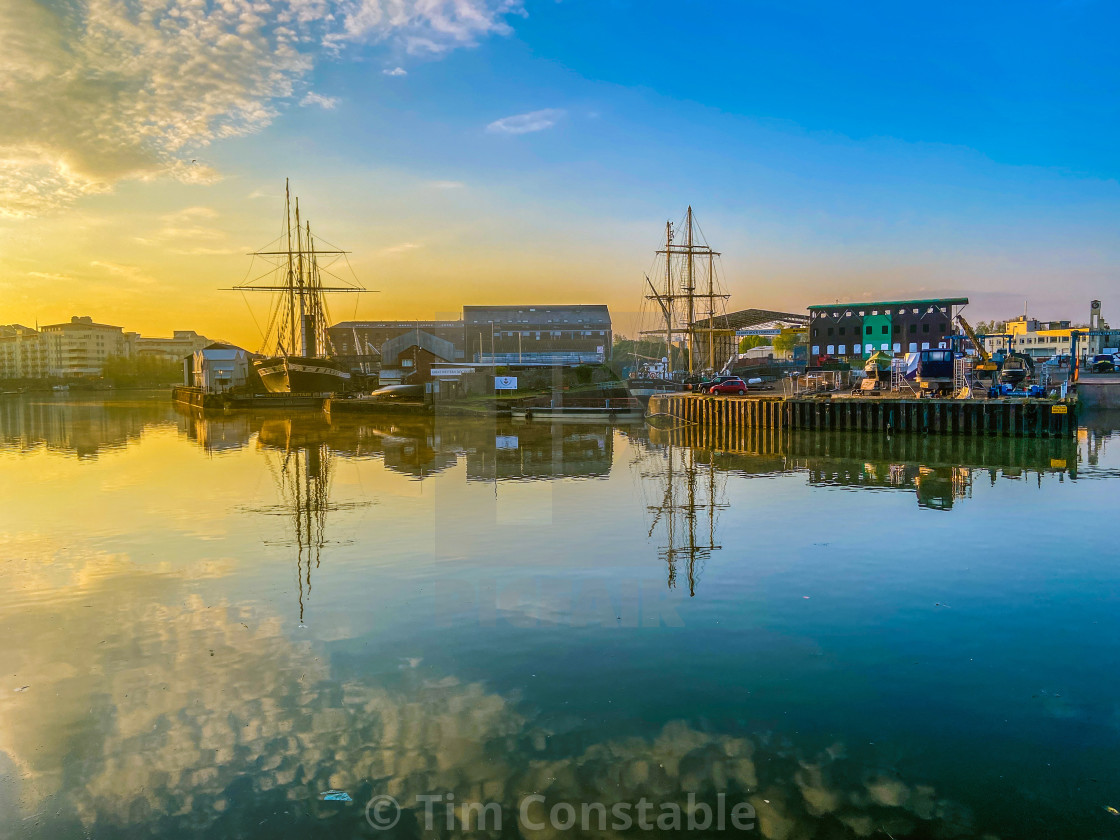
x=788 y=339
x=749 y=342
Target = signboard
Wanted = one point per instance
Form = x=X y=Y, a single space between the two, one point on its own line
x=505 y=441
x=599 y=348
x=1058 y=409
x=505 y=383
x=741 y=333
x=451 y=371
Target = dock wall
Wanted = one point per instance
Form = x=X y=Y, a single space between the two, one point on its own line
x=1010 y=418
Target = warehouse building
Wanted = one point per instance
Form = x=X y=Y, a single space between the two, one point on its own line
x=854 y=331
x=537 y=335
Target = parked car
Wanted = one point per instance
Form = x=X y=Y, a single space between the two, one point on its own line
x=731 y=385
x=706 y=386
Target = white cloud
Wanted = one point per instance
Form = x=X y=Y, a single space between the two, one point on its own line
x=401 y=248
x=93 y=92
x=396 y=71
x=526 y=123
x=327 y=103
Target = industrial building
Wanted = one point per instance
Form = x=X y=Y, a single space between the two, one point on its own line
x=537 y=335
x=358 y=343
x=854 y=331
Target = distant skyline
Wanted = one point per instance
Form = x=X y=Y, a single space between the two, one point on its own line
x=498 y=151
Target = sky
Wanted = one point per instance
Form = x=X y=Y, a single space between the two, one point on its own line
x=530 y=151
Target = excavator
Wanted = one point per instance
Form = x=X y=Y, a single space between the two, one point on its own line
x=986 y=363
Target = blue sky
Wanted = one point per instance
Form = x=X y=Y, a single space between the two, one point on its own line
x=534 y=152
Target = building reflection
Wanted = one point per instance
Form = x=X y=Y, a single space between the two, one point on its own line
x=939 y=469
x=80 y=425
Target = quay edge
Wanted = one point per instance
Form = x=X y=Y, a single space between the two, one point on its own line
x=1012 y=418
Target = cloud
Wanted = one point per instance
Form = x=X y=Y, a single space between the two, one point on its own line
x=424 y=27
x=396 y=71
x=401 y=248
x=93 y=92
x=526 y=123
x=445 y=185
x=327 y=103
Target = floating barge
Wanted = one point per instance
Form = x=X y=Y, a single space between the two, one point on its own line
x=1001 y=417
x=197 y=398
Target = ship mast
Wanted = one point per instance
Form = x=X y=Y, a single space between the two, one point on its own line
x=690 y=249
x=291 y=274
x=298 y=321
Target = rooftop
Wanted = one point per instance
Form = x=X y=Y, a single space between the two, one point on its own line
x=956 y=301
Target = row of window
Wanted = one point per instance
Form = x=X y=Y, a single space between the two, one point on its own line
x=901 y=311
x=894 y=328
x=861 y=349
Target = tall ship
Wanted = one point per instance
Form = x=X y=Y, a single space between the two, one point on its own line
x=298 y=357
x=689 y=309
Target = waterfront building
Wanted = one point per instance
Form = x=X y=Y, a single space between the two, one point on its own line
x=23 y=353
x=537 y=335
x=1041 y=340
x=80 y=347
x=855 y=331
x=217 y=368
x=181 y=344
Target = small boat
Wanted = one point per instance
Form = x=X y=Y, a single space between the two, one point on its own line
x=1015 y=370
x=612 y=409
x=644 y=387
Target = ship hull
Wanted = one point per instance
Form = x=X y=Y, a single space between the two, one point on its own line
x=301 y=375
x=644 y=388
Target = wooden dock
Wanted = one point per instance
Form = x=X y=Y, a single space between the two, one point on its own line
x=895 y=415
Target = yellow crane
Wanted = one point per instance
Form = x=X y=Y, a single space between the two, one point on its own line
x=986 y=363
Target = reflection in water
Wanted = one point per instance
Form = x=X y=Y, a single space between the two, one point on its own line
x=156 y=689
x=687 y=496
x=84 y=425
x=218 y=725
x=301 y=464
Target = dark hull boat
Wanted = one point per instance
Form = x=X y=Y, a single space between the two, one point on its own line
x=301 y=375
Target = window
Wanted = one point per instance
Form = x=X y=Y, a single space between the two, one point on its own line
x=842 y=330
x=843 y=349
x=897 y=348
x=895 y=328
x=886 y=329
x=885 y=346
x=816 y=333
x=913 y=347
x=913 y=328
x=857 y=348
x=816 y=349
x=830 y=330
x=867 y=329
x=925 y=345
x=925 y=328
x=941 y=328
x=831 y=349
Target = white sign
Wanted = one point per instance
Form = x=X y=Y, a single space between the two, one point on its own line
x=451 y=371
x=742 y=333
x=505 y=441
x=599 y=348
x=505 y=383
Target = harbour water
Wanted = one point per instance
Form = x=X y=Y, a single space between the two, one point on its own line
x=209 y=623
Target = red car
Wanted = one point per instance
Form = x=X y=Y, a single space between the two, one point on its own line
x=729 y=386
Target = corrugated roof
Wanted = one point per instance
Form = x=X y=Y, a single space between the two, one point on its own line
x=959 y=301
x=747 y=318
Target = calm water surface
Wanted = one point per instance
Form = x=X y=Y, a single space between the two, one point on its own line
x=209 y=622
